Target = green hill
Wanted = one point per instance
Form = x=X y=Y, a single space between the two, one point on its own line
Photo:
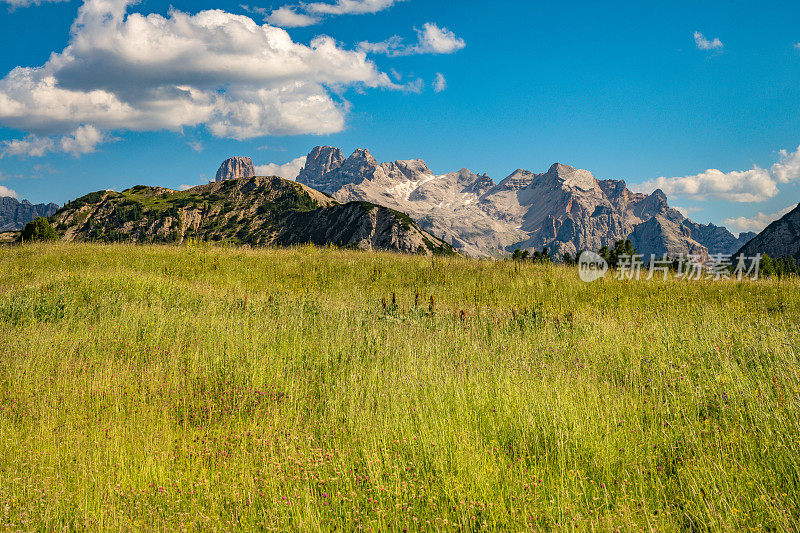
x=253 y=211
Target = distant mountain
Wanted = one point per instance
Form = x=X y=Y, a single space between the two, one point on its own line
x=563 y=209
x=717 y=239
x=235 y=168
x=255 y=211
x=14 y=215
x=781 y=238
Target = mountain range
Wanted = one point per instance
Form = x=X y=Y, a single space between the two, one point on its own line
x=259 y=211
x=358 y=202
x=15 y=214
x=564 y=209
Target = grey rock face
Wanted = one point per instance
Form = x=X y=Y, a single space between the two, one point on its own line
x=14 y=215
x=319 y=162
x=235 y=168
x=717 y=239
x=661 y=236
x=781 y=238
x=564 y=209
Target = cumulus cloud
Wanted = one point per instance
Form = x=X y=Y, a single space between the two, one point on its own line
x=5 y=191
x=350 y=7
x=296 y=16
x=755 y=185
x=788 y=168
x=84 y=140
x=758 y=222
x=151 y=72
x=431 y=39
x=440 y=83
x=287 y=171
x=288 y=17
x=13 y=4
x=704 y=44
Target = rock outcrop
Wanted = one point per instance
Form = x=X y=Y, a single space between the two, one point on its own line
x=235 y=168
x=564 y=209
x=779 y=239
x=255 y=211
x=14 y=215
x=319 y=162
x=660 y=236
x=717 y=239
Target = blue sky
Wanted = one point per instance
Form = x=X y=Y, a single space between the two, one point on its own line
x=655 y=93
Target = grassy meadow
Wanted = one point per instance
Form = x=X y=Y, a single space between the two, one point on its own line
x=208 y=388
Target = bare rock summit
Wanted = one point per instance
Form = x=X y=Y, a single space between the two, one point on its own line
x=564 y=209
x=235 y=168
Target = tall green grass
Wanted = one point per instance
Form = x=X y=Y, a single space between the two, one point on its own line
x=201 y=388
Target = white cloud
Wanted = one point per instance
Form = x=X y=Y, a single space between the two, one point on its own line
x=704 y=44
x=755 y=185
x=788 y=168
x=13 y=4
x=756 y=223
x=140 y=72
x=288 y=17
x=687 y=211
x=350 y=7
x=196 y=145
x=287 y=171
x=416 y=86
x=84 y=140
x=440 y=83
x=431 y=39
x=436 y=40
x=5 y=191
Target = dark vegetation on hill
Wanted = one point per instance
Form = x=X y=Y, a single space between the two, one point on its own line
x=252 y=211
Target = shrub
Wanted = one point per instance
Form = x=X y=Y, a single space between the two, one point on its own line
x=39 y=230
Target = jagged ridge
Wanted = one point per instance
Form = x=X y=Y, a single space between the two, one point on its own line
x=255 y=211
x=14 y=214
x=564 y=209
x=779 y=239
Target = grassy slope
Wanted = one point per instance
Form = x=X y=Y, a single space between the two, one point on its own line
x=158 y=387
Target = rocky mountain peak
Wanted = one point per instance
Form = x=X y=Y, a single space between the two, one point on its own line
x=654 y=204
x=362 y=156
x=560 y=168
x=323 y=159
x=235 y=168
x=565 y=208
x=658 y=196
x=413 y=168
x=361 y=162
x=781 y=238
x=519 y=179
x=571 y=177
x=15 y=214
x=320 y=161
